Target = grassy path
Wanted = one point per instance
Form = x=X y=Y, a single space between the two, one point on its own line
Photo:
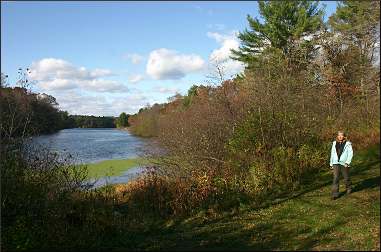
x=307 y=220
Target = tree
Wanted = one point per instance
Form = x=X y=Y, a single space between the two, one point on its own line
x=47 y=98
x=359 y=23
x=122 y=120
x=192 y=91
x=285 y=23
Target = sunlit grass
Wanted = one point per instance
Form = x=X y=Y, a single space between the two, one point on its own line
x=113 y=167
x=309 y=221
x=306 y=220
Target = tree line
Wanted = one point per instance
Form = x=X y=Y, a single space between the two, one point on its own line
x=24 y=113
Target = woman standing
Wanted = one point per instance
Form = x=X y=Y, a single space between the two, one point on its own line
x=341 y=157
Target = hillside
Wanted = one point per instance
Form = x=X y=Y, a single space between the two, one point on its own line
x=307 y=220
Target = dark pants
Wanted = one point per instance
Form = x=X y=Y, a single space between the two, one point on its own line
x=336 y=175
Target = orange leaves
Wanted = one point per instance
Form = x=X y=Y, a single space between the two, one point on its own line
x=339 y=86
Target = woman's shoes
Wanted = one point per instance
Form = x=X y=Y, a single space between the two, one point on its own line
x=349 y=191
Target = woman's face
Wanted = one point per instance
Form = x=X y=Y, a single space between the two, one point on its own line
x=340 y=136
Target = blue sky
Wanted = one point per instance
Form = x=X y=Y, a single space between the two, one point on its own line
x=103 y=58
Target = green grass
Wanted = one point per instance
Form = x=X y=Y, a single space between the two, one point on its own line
x=113 y=167
x=305 y=220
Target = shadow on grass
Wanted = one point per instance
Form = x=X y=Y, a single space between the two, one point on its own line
x=280 y=228
x=366 y=161
x=367 y=184
x=341 y=194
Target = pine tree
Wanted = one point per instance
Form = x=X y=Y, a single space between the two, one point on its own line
x=284 y=23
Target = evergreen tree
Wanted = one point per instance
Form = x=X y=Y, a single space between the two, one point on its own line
x=192 y=91
x=122 y=120
x=284 y=23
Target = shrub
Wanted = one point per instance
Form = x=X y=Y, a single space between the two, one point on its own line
x=46 y=203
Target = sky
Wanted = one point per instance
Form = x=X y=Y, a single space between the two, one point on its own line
x=104 y=58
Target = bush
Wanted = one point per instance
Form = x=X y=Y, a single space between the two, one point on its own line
x=46 y=203
x=160 y=196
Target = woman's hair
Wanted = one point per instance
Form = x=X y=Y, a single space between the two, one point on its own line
x=341 y=132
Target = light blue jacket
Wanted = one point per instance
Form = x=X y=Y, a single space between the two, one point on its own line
x=346 y=156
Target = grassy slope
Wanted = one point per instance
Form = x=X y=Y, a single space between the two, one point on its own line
x=307 y=220
x=112 y=167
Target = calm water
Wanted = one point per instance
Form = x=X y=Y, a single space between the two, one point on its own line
x=94 y=145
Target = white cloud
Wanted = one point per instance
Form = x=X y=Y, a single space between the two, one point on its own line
x=79 y=104
x=166 y=90
x=58 y=74
x=134 y=57
x=100 y=73
x=101 y=85
x=223 y=53
x=51 y=68
x=169 y=64
x=57 y=84
x=129 y=104
x=135 y=78
x=100 y=105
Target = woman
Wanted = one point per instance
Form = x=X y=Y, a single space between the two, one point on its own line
x=341 y=157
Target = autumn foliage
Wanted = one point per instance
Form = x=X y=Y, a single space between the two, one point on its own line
x=265 y=132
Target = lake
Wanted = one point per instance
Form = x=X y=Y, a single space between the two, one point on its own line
x=95 y=145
